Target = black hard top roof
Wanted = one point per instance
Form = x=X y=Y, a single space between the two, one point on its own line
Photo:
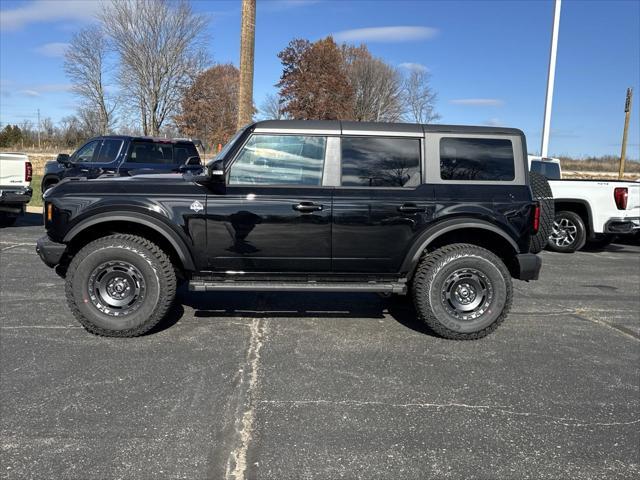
x=371 y=128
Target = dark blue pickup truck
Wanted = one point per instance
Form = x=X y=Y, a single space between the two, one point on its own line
x=123 y=156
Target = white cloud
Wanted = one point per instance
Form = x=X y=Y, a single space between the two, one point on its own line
x=47 y=11
x=418 y=67
x=55 y=49
x=30 y=93
x=38 y=90
x=478 y=102
x=386 y=34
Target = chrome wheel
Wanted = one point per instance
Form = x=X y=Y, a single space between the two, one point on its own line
x=116 y=288
x=467 y=293
x=564 y=232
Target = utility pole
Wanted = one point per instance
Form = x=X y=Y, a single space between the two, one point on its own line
x=627 y=115
x=546 y=126
x=38 y=129
x=247 y=46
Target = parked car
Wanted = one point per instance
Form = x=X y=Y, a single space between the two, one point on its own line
x=588 y=212
x=15 y=186
x=123 y=155
x=441 y=213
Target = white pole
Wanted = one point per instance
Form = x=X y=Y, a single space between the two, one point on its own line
x=546 y=126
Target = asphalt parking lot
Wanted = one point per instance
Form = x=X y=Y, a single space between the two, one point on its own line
x=283 y=385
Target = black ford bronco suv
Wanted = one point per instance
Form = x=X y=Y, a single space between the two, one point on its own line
x=444 y=214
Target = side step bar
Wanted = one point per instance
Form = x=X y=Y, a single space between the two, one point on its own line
x=379 y=287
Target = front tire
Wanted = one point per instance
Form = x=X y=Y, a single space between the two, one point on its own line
x=569 y=233
x=120 y=285
x=462 y=292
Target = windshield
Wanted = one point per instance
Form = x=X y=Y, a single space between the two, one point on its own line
x=223 y=153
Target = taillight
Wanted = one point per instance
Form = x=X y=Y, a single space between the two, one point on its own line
x=49 y=211
x=28 y=172
x=621 y=195
x=536 y=218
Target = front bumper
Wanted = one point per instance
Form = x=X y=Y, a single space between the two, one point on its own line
x=619 y=226
x=529 y=265
x=50 y=252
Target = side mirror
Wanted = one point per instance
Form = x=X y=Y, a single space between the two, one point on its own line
x=216 y=171
x=64 y=159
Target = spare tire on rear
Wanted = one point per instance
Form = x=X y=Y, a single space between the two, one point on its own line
x=542 y=194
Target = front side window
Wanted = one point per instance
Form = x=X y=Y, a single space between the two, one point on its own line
x=150 y=152
x=109 y=150
x=85 y=154
x=181 y=152
x=380 y=162
x=476 y=159
x=280 y=160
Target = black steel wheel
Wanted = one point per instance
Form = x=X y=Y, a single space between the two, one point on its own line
x=462 y=291
x=120 y=285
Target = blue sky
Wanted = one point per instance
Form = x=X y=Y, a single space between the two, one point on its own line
x=488 y=59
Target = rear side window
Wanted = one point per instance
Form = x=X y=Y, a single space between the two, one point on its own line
x=149 y=152
x=109 y=150
x=476 y=159
x=380 y=162
x=548 y=169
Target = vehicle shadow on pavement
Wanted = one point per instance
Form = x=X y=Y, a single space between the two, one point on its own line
x=28 y=220
x=298 y=305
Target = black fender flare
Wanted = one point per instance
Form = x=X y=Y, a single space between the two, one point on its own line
x=445 y=226
x=179 y=245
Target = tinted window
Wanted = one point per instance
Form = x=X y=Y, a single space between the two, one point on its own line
x=109 y=151
x=182 y=151
x=85 y=154
x=548 y=169
x=280 y=159
x=380 y=162
x=149 y=152
x=476 y=159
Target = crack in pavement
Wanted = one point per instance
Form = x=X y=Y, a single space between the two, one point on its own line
x=244 y=425
x=498 y=408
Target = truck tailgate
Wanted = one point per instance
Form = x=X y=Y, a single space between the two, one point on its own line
x=12 y=170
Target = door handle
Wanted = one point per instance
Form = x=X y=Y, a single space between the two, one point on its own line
x=411 y=208
x=307 y=207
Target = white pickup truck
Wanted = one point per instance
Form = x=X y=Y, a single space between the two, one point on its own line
x=588 y=212
x=15 y=186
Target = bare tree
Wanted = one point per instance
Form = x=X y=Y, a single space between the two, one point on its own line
x=160 y=48
x=419 y=98
x=272 y=108
x=85 y=66
x=377 y=86
x=247 y=47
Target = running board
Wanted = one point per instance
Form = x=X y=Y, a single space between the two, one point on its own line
x=377 y=287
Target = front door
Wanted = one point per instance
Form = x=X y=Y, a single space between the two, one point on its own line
x=273 y=215
x=381 y=205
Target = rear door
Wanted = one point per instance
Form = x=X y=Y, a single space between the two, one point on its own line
x=382 y=203
x=274 y=214
x=147 y=156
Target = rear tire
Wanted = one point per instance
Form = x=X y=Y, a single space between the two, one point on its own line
x=462 y=292
x=569 y=233
x=543 y=195
x=120 y=285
